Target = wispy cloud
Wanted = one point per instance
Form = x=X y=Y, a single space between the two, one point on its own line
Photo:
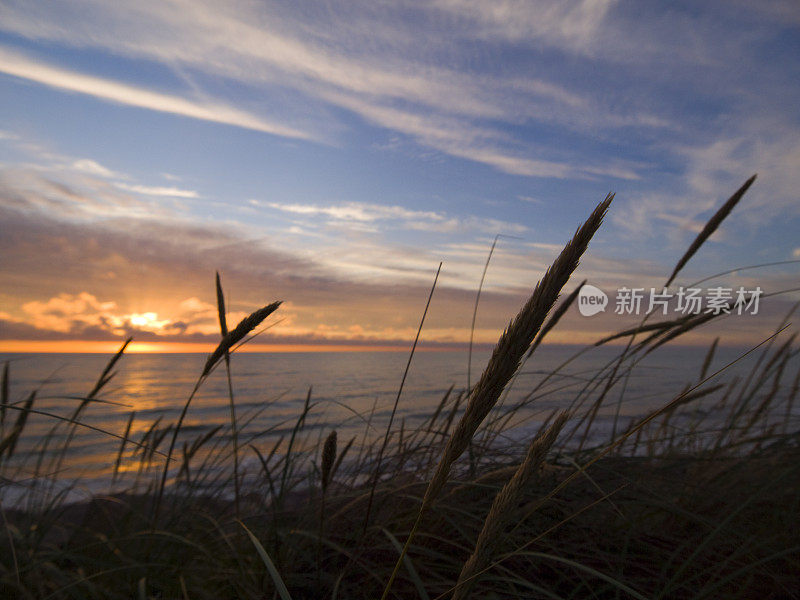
x=152 y=276
x=67 y=195
x=714 y=170
x=573 y=23
x=336 y=60
x=18 y=65
x=398 y=216
x=172 y=192
x=356 y=211
x=87 y=165
x=78 y=183
x=462 y=138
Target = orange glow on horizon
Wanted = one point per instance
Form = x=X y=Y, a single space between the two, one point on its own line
x=87 y=347
x=110 y=347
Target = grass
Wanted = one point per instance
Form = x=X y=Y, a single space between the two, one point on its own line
x=695 y=500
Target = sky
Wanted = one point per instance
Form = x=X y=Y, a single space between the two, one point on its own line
x=330 y=155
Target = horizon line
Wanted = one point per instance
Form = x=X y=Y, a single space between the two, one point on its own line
x=112 y=347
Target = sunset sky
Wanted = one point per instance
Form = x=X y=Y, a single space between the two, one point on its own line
x=330 y=155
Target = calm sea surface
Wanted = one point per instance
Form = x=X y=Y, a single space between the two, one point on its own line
x=270 y=390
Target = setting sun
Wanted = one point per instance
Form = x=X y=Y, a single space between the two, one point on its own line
x=148 y=320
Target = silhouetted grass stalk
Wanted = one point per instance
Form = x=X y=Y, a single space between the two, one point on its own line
x=504 y=362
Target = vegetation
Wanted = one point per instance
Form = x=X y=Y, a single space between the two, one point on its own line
x=696 y=500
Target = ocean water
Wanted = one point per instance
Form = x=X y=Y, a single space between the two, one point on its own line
x=270 y=389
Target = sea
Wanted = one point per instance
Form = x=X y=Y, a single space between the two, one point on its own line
x=351 y=392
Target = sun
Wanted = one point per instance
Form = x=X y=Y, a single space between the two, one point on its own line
x=148 y=321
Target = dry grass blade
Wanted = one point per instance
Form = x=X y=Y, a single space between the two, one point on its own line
x=504 y=507
x=106 y=375
x=9 y=443
x=555 y=317
x=422 y=593
x=660 y=327
x=475 y=311
x=328 y=459
x=280 y=587
x=686 y=326
x=504 y=362
x=223 y=323
x=546 y=328
x=696 y=395
x=709 y=358
x=102 y=381
x=223 y=328
x=244 y=327
x=121 y=451
x=711 y=227
x=385 y=442
x=4 y=393
x=513 y=344
x=341 y=456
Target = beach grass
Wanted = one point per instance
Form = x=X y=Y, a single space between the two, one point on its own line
x=698 y=499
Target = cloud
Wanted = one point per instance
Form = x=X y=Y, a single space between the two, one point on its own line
x=83 y=316
x=67 y=313
x=59 y=235
x=690 y=225
x=356 y=211
x=18 y=65
x=364 y=213
x=87 y=165
x=65 y=183
x=238 y=42
x=159 y=191
x=771 y=150
x=162 y=286
x=73 y=242
x=479 y=143
x=715 y=170
x=69 y=195
x=384 y=65
x=66 y=269
x=573 y=23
